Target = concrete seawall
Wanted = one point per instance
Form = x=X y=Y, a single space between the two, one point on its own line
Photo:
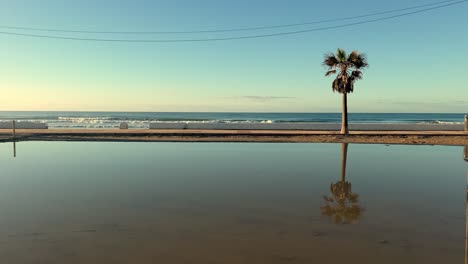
x=23 y=125
x=308 y=126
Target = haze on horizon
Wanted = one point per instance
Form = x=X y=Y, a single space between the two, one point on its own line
x=417 y=63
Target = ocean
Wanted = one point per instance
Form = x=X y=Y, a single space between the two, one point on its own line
x=142 y=119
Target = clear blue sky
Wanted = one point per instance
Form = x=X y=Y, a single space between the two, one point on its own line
x=417 y=63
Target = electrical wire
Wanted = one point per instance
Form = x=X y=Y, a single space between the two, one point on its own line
x=226 y=30
x=232 y=38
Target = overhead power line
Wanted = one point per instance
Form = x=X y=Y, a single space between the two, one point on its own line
x=234 y=38
x=228 y=30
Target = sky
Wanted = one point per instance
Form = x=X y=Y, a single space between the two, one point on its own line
x=417 y=62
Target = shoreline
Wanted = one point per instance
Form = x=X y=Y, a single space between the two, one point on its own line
x=453 y=138
x=283 y=126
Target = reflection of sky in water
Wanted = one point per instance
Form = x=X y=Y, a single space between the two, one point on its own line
x=410 y=194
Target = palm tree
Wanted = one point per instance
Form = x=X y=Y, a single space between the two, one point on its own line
x=343 y=204
x=347 y=70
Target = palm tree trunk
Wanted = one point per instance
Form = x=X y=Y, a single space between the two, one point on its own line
x=344 y=158
x=344 y=117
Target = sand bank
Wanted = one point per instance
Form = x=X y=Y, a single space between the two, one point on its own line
x=299 y=136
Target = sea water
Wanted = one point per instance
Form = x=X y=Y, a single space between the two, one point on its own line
x=142 y=119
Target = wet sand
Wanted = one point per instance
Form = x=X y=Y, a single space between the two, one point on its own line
x=179 y=236
x=183 y=135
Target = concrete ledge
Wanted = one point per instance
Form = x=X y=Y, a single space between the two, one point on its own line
x=406 y=127
x=24 y=125
x=167 y=126
x=308 y=126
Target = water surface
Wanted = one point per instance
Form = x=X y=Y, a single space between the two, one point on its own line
x=231 y=203
x=142 y=120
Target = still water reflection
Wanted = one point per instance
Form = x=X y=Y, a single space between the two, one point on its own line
x=231 y=203
x=342 y=205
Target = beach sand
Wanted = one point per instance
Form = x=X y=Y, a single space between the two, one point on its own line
x=292 y=136
x=226 y=238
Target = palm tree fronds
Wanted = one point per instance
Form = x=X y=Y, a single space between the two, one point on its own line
x=341 y=55
x=349 y=87
x=330 y=60
x=347 y=68
x=339 y=85
x=357 y=60
x=357 y=75
x=330 y=72
x=353 y=55
x=336 y=85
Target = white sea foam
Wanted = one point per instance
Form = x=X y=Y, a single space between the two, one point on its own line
x=92 y=120
x=232 y=120
x=442 y=122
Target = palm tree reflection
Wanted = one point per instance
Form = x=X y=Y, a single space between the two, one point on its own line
x=342 y=206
